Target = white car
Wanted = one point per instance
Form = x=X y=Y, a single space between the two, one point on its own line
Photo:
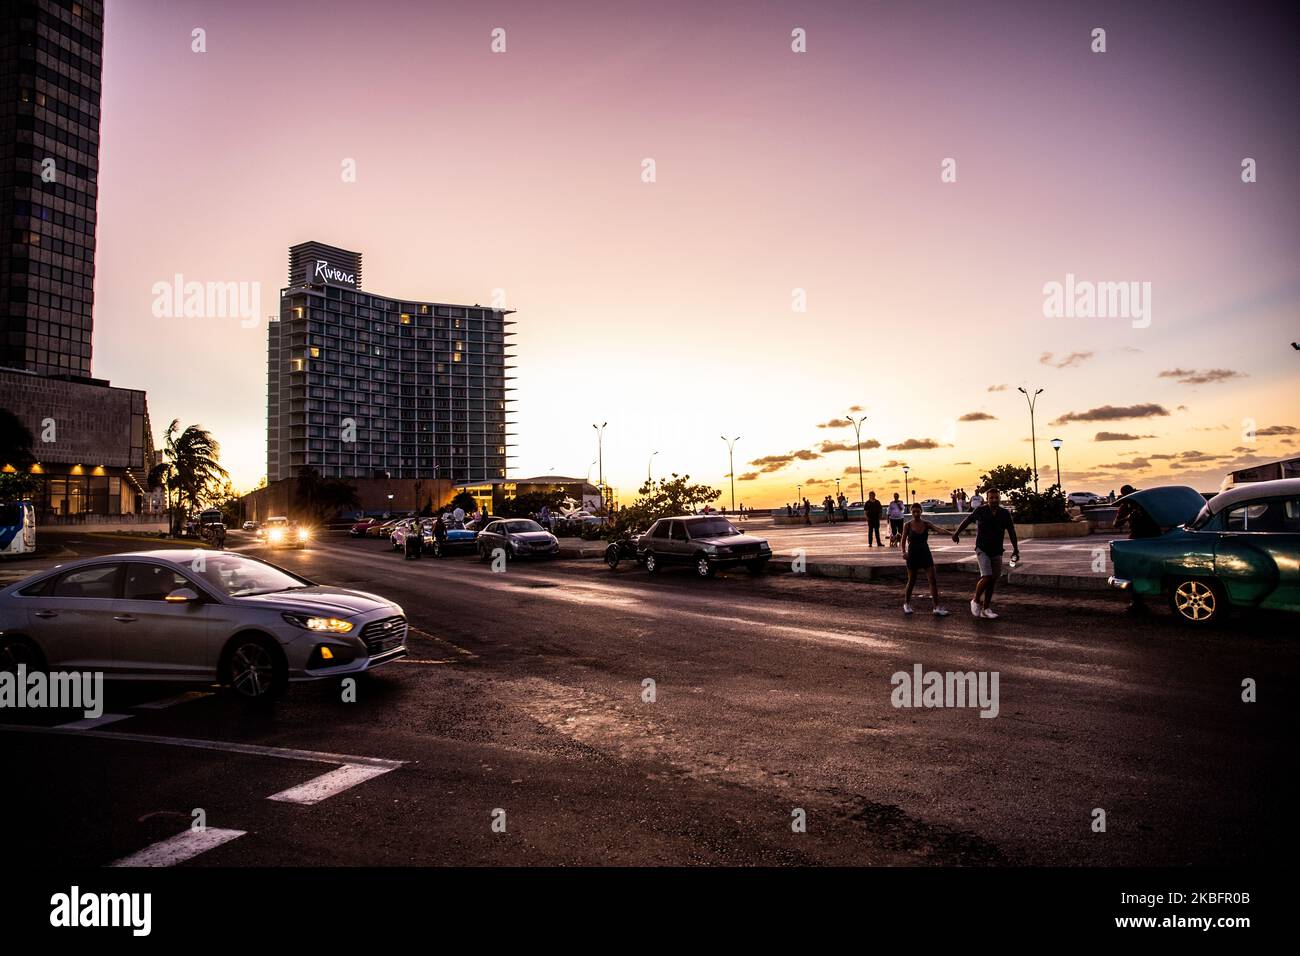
x=1081 y=498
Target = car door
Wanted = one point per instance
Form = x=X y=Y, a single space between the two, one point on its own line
x=1257 y=553
x=72 y=621
x=678 y=545
x=157 y=638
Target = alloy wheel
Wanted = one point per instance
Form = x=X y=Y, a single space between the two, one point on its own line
x=1195 y=601
x=252 y=671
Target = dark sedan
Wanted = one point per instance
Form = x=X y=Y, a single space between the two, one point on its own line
x=705 y=542
x=516 y=538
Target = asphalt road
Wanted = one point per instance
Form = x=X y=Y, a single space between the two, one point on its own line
x=523 y=693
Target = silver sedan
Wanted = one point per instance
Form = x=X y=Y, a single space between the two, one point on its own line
x=202 y=616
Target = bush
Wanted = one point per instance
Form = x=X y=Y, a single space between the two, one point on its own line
x=1031 y=507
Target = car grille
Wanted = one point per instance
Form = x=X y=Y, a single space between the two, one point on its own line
x=743 y=549
x=384 y=635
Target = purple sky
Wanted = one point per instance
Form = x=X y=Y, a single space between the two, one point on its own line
x=775 y=171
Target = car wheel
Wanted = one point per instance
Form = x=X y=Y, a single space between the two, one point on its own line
x=1195 y=601
x=255 y=668
x=15 y=651
x=651 y=562
x=756 y=567
x=611 y=556
x=703 y=567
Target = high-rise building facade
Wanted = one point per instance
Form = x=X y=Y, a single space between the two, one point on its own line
x=365 y=386
x=51 y=54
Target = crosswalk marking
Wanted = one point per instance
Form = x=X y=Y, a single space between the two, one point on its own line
x=327 y=785
x=178 y=849
x=89 y=723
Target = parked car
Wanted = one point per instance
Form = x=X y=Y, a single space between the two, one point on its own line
x=1239 y=549
x=382 y=529
x=358 y=530
x=1081 y=498
x=455 y=541
x=705 y=542
x=517 y=537
x=248 y=526
x=397 y=537
x=934 y=504
x=149 y=615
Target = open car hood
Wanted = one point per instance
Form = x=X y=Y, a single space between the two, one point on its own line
x=1168 y=505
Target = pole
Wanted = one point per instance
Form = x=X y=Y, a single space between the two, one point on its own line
x=1033 y=438
x=600 y=459
x=731 y=466
x=1058 y=468
x=857 y=431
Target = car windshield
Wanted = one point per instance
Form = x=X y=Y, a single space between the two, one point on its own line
x=1202 y=519
x=710 y=528
x=237 y=576
x=519 y=527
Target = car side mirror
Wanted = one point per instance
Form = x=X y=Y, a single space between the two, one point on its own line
x=183 y=596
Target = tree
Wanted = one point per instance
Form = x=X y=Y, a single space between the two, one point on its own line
x=194 y=470
x=16 y=440
x=662 y=499
x=1006 y=479
x=465 y=501
x=1028 y=506
x=521 y=506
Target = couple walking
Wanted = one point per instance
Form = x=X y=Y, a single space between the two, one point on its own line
x=993 y=523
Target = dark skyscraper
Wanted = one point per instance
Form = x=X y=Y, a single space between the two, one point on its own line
x=51 y=56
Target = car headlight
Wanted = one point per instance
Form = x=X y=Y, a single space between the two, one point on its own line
x=326 y=625
x=303 y=534
x=710 y=549
x=275 y=535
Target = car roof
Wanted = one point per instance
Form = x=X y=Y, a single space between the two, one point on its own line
x=1254 y=489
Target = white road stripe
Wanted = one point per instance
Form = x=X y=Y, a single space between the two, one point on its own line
x=178 y=849
x=166 y=702
x=411 y=660
x=89 y=723
x=327 y=785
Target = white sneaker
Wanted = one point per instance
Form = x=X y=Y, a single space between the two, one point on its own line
x=974 y=609
x=989 y=614
x=939 y=612
x=907 y=609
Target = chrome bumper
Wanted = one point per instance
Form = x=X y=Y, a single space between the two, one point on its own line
x=1122 y=584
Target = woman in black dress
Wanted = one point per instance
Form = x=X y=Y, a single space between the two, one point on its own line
x=916 y=554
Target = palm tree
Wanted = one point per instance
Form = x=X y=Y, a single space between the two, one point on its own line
x=194 y=471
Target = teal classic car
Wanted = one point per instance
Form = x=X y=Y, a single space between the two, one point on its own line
x=1239 y=549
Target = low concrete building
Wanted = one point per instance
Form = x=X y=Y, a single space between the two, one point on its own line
x=93 y=446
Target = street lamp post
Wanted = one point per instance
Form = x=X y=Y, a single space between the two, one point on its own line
x=857 y=432
x=600 y=459
x=731 y=466
x=649 y=476
x=905 y=497
x=1056 y=444
x=1032 y=400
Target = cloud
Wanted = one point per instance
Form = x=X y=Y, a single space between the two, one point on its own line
x=1137 y=464
x=1208 y=376
x=853 y=470
x=836 y=423
x=914 y=444
x=1111 y=413
x=1073 y=360
x=771 y=463
x=998 y=388
x=893 y=464
x=1119 y=436
x=955 y=463
x=978 y=417
x=856 y=408
x=827 y=447
x=1277 y=430
x=748 y=476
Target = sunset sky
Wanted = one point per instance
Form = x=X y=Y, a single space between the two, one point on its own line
x=665 y=308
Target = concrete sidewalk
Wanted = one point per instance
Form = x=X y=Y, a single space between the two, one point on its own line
x=840 y=551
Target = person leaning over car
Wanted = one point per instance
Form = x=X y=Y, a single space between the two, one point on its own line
x=992 y=522
x=1140 y=525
